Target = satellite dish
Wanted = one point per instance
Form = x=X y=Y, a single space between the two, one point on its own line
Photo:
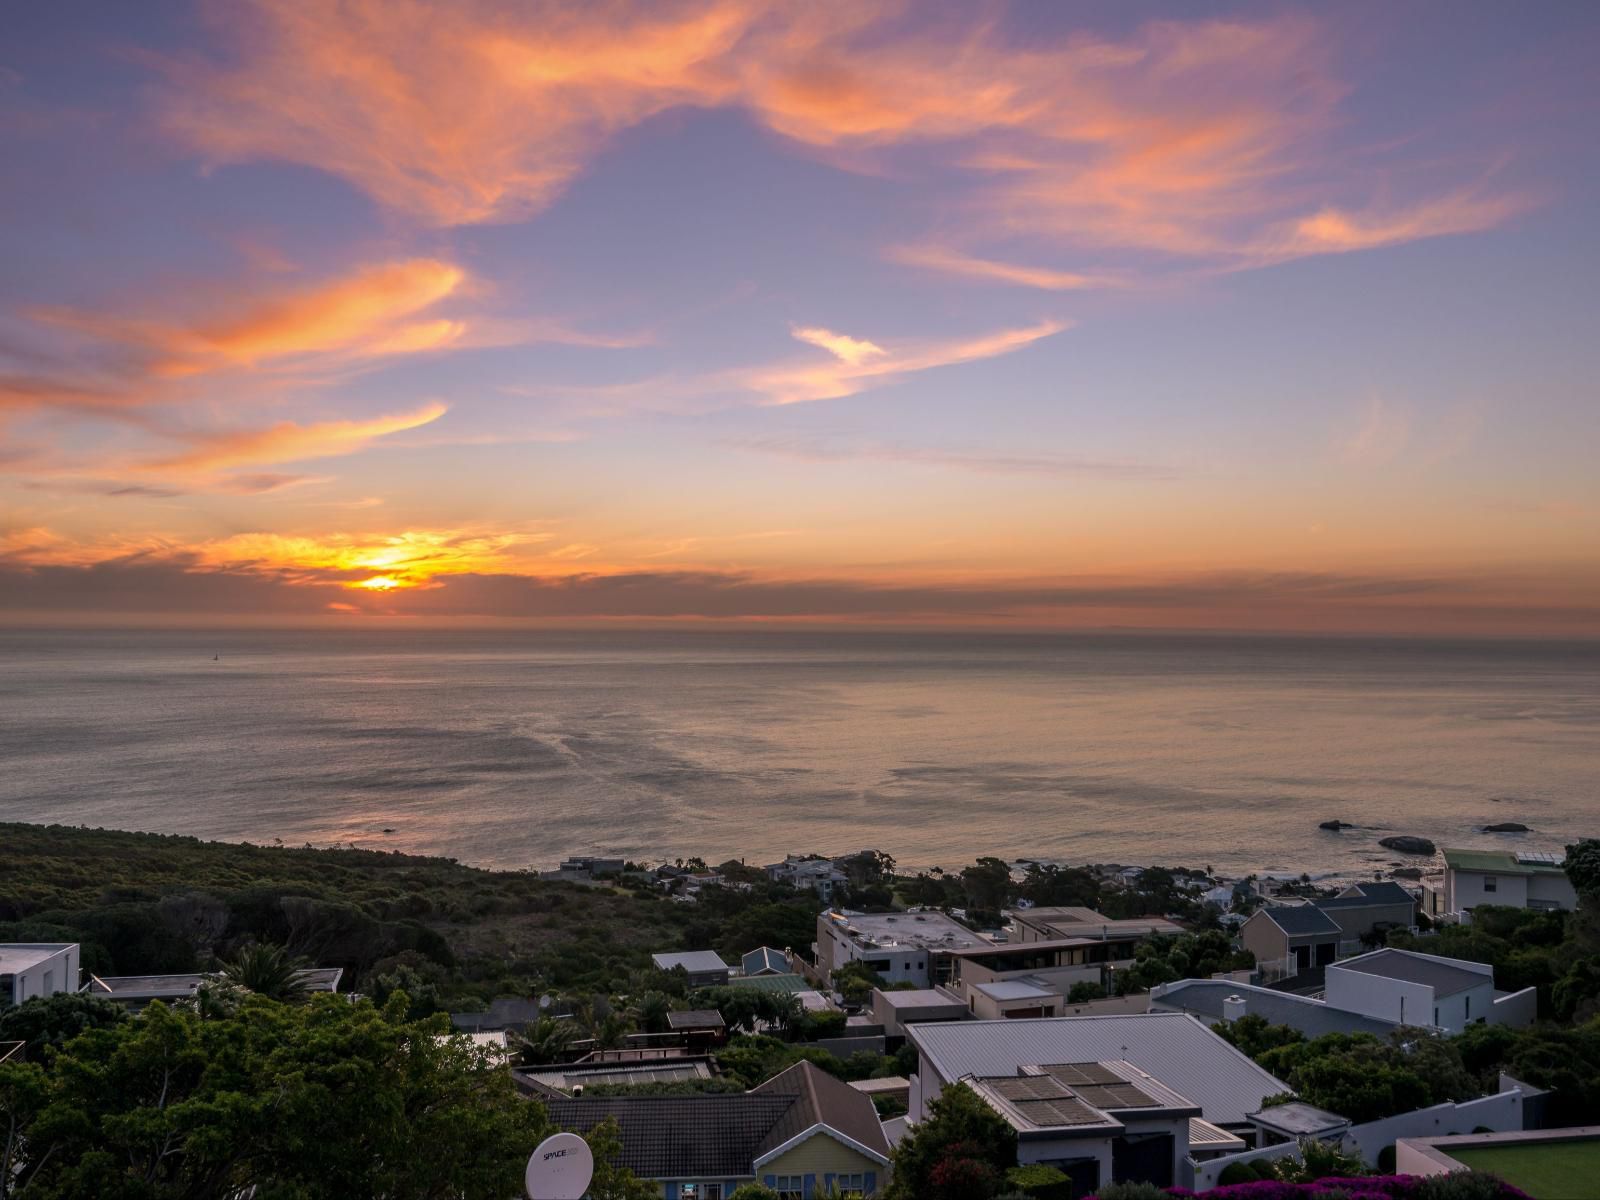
x=560 y=1169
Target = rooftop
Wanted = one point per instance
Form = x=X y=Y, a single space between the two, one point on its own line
x=788 y=982
x=695 y=962
x=917 y=998
x=1075 y=922
x=1300 y=919
x=666 y=1070
x=1174 y=1047
x=824 y=1100
x=1503 y=862
x=1015 y=989
x=911 y=930
x=1077 y=1096
x=1446 y=976
x=1204 y=997
x=177 y=987
x=764 y=958
x=695 y=1018
x=1368 y=894
x=1298 y=1119
x=19 y=956
x=707 y=1135
x=1203 y=1135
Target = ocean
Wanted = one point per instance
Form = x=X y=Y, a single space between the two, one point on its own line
x=515 y=749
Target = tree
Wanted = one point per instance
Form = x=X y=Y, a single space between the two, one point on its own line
x=544 y=1042
x=962 y=1149
x=49 y=1021
x=652 y=1011
x=855 y=981
x=612 y=1180
x=988 y=884
x=320 y=1100
x=1583 y=869
x=269 y=971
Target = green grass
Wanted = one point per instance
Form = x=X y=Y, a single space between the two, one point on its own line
x=1552 y=1171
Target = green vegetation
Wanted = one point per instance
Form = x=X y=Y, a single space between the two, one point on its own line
x=1549 y=1171
x=962 y=1151
x=321 y=1099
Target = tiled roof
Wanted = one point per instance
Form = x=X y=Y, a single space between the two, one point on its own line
x=1370 y=894
x=706 y=1136
x=1442 y=975
x=826 y=1101
x=1299 y=919
x=788 y=982
x=764 y=958
x=695 y=1018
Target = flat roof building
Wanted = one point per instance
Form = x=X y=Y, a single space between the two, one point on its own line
x=902 y=947
x=704 y=967
x=1516 y=879
x=29 y=970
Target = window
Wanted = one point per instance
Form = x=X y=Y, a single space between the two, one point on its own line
x=1491 y=884
x=850 y=1185
x=49 y=983
x=701 y=1191
x=789 y=1187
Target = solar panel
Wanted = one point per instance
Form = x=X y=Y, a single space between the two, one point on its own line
x=1028 y=1087
x=1083 y=1073
x=1542 y=858
x=1062 y=1111
x=1116 y=1095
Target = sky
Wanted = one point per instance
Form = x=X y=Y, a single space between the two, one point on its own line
x=1034 y=316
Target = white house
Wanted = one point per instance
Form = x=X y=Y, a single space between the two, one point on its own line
x=902 y=947
x=1424 y=989
x=1519 y=879
x=818 y=874
x=30 y=969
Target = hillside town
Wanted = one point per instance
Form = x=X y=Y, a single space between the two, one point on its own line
x=1191 y=1031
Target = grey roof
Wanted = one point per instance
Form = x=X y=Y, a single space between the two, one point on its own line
x=823 y=1100
x=1203 y=1135
x=695 y=1018
x=666 y=1070
x=764 y=958
x=696 y=962
x=1299 y=1119
x=503 y=1013
x=1299 y=919
x=1173 y=1047
x=1441 y=974
x=1015 y=989
x=703 y=1136
x=917 y=998
x=1370 y=894
x=1203 y=998
x=178 y=987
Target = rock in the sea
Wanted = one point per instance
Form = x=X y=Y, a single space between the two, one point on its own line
x=1336 y=825
x=1406 y=844
x=1406 y=872
x=1506 y=827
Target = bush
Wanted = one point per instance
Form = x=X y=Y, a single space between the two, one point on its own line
x=1132 y=1191
x=1386 y=1160
x=1039 y=1182
x=1237 y=1172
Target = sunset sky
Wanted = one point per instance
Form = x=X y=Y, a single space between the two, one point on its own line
x=1044 y=315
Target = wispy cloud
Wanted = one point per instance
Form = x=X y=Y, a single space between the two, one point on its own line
x=1205 y=138
x=854 y=365
x=954 y=262
x=822 y=450
x=1382 y=430
x=287 y=441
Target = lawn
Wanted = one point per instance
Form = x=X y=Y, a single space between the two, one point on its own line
x=1553 y=1171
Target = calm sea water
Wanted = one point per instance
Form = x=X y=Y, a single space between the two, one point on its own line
x=515 y=749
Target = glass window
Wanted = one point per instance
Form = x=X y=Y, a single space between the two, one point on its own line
x=1491 y=884
x=789 y=1187
x=850 y=1185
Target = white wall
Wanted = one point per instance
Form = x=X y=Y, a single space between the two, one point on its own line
x=1379 y=996
x=1467 y=890
x=57 y=973
x=1556 y=889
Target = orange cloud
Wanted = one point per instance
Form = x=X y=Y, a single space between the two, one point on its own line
x=288 y=442
x=366 y=314
x=854 y=367
x=1194 y=138
x=1334 y=231
x=954 y=262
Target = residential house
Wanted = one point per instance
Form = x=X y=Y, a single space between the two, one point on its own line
x=136 y=991
x=904 y=947
x=896 y=1010
x=1425 y=989
x=1214 y=1000
x=570 y=1079
x=802 y=1133
x=503 y=1013
x=1364 y=912
x=764 y=960
x=698 y=1026
x=818 y=874
x=32 y=969
x=1095 y=1121
x=703 y=967
x=1048 y=966
x=1174 y=1047
x=1291 y=937
x=1515 y=879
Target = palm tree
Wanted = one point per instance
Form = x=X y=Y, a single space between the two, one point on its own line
x=543 y=1042
x=269 y=971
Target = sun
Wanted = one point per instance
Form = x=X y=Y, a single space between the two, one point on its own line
x=379 y=583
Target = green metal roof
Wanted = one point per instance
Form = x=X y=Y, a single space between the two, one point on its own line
x=771 y=983
x=1500 y=862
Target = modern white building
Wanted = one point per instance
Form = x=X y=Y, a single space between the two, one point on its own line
x=31 y=969
x=902 y=947
x=1514 y=879
x=1424 y=989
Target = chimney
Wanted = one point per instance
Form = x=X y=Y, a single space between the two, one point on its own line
x=1233 y=1007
